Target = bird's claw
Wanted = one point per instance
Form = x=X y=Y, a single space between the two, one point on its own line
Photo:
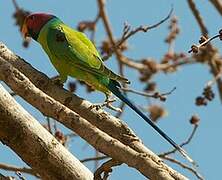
x=57 y=81
x=108 y=104
x=97 y=106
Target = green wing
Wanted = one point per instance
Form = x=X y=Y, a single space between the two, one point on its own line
x=66 y=43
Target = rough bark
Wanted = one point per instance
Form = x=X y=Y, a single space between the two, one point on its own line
x=135 y=154
x=35 y=145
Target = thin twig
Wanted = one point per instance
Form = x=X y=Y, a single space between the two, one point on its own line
x=15 y=4
x=173 y=32
x=154 y=95
x=119 y=55
x=214 y=80
x=93 y=34
x=218 y=5
x=198 y=17
x=127 y=33
x=213 y=54
x=104 y=16
x=96 y=162
x=55 y=125
x=105 y=168
x=94 y=159
x=71 y=135
x=194 y=171
x=207 y=41
x=49 y=124
x=167 y=66
x=143 y=28
x=7 y=167
x=182 y=144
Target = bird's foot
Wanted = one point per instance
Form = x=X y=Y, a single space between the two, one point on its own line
x=97 y=106
x=108 y=104
x=57 y=81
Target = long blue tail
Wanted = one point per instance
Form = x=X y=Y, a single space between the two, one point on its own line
x=114 y=87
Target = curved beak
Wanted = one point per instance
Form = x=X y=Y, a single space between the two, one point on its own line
x=25 y=30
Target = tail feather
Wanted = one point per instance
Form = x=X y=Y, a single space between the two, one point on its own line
x=114 y=88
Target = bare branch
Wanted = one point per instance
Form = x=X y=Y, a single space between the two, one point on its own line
x=198 y=17
x=37 y=147
x=195 y=48
x=106 y=168
x=194 y=171
x=94 y=159
x=106 y=22
x=218 y=5
x=214 y=80
x=127 y=32
x=104 y=121
x=161 y=96
x=213 y=53
x=7 y=167
x=101 y=141
x=15 y=4
x=182 y=144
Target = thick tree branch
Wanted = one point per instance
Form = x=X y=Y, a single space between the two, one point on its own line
x=142 y=159
x=101 y=119
x=35 y=145
x=104 y=121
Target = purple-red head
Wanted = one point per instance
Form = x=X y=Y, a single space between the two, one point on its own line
x=33 y=24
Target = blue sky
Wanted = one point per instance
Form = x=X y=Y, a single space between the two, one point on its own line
x=189 y=80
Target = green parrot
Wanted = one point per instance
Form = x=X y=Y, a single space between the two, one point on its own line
x=73 y=54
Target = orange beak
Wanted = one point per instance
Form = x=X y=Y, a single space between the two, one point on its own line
x=25 y=30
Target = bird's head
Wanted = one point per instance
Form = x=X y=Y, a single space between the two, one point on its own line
x=33 y=24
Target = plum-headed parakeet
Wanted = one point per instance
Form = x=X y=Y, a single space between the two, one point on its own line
x=73 y=54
